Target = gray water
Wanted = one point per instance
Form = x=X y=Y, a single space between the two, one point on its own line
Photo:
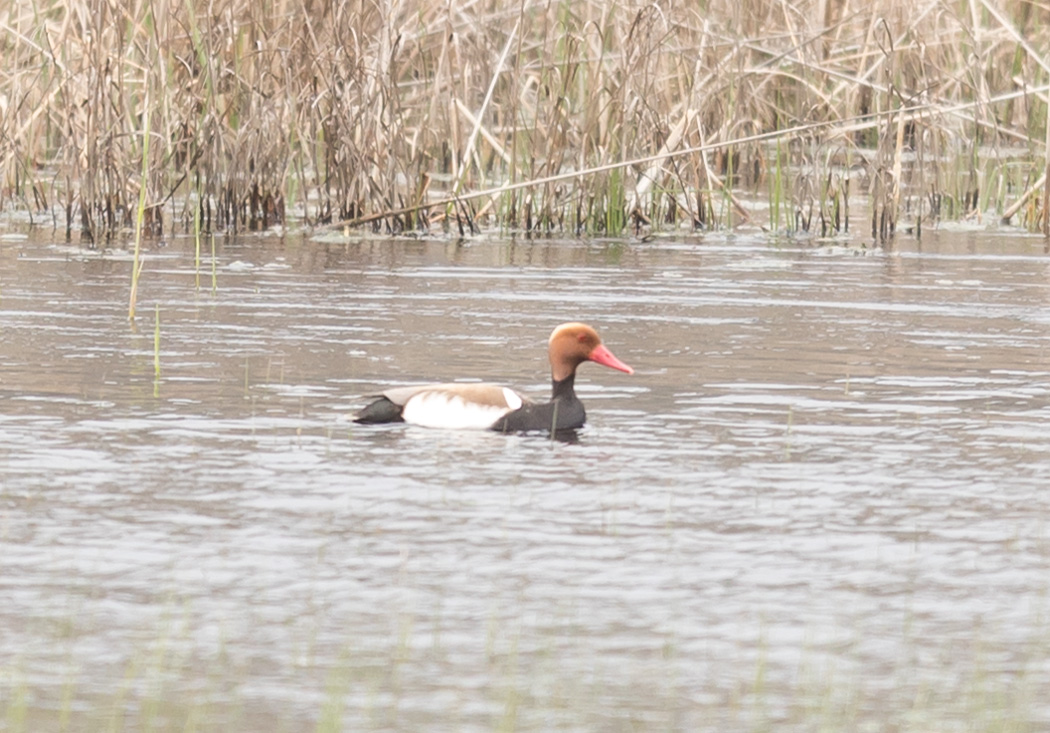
x=821 y=502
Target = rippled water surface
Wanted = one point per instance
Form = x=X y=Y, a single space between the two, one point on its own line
x=821 y=502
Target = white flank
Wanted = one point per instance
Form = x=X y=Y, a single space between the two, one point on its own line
x=512 y=398
x=437 y=409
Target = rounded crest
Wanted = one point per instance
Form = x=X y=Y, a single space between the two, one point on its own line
x=573 y=343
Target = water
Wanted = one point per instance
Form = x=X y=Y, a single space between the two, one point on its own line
x=820 y=501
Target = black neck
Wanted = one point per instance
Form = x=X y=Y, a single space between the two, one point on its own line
x=564 y=388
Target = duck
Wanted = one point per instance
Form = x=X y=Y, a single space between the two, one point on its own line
x=463 y=405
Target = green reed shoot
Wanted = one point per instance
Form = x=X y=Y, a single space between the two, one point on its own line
x=136 y=266
x=776 y=194
x=197 y=243
x=156 y=351
x=156 y=341
x=727 y=189
x=615 y=200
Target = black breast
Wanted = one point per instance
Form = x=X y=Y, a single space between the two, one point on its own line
x=563 y=412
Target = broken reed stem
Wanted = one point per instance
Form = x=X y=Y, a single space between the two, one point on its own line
x=469 y=152
x=1029 y=192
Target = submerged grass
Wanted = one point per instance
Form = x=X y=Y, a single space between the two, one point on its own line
x=536 y=675
x=583 y=116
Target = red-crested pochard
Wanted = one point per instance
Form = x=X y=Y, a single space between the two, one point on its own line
x=475 y=405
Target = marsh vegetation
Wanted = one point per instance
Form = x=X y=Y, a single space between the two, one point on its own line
x=567 y=116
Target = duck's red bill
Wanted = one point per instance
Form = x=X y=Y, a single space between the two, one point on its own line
x=605 y=357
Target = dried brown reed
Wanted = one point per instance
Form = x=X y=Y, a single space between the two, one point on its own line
x=578 y=116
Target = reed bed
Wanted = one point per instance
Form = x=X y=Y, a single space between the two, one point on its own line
x=570 y=116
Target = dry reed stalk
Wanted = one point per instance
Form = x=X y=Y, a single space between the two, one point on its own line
x=1045 y=223
x=356 y=111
